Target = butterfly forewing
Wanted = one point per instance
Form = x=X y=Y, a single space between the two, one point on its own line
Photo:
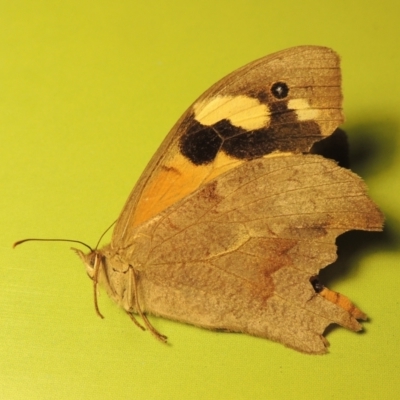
x=282 y=103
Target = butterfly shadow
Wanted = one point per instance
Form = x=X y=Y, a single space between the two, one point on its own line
x=373 y=148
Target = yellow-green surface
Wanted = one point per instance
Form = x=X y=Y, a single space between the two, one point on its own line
x=87 y=92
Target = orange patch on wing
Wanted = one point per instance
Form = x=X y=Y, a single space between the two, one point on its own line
x=175 y=180
x=342 y=302
x=222 y=164
x=167 y=185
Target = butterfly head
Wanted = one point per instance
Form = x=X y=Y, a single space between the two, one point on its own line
x=91 y=260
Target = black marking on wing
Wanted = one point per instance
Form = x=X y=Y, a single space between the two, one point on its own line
x=200 y=144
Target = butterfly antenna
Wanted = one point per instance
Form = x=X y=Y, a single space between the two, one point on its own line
x=51 y=240
x=101 y=237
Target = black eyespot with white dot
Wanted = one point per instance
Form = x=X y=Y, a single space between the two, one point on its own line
x=280 y=90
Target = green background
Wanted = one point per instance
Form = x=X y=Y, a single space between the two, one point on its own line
x=87 y=92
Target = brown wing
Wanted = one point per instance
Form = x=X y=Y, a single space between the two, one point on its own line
x=283 y=102
x=239 y=253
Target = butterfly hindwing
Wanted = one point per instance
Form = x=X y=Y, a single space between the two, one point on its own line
x=240 y=251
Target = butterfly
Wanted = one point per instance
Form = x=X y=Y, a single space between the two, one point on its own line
x=233 y=218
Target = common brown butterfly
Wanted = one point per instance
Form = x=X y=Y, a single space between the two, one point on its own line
x=233 y=218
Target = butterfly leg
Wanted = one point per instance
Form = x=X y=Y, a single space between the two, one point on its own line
x=158 y=335
x=96 y=268
x=135 y=321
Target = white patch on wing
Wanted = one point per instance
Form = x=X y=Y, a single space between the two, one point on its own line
x=242 y=111
x=303 y=110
